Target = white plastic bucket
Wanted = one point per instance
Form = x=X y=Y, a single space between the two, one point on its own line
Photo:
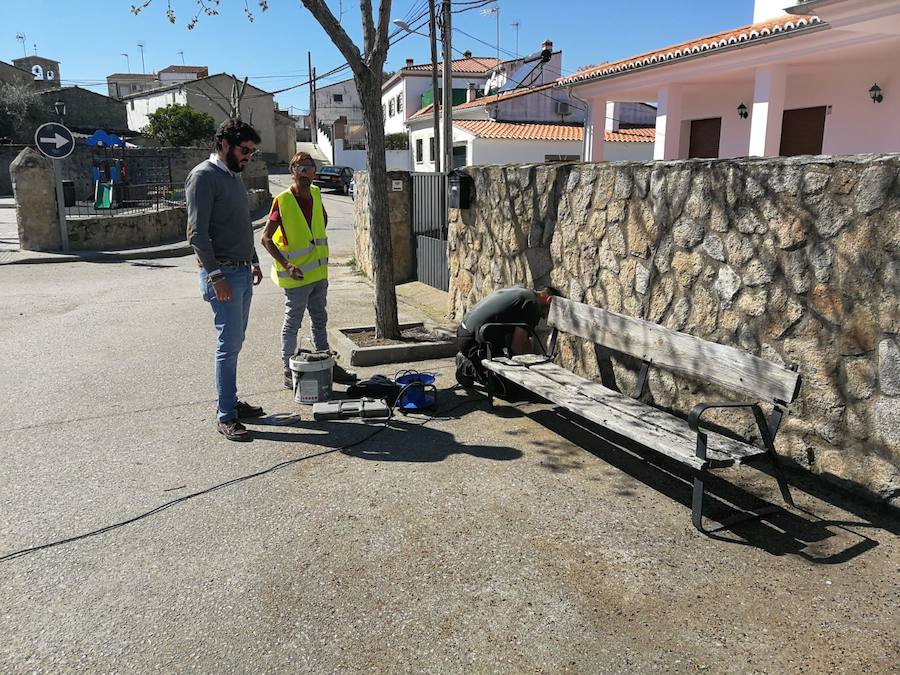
x=311 y=375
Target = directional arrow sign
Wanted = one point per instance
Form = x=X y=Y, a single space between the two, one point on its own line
x=54 y=140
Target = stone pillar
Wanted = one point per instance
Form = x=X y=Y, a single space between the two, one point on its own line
x=768 y=109
x=668 y=123
x=34 y=187
x=595 y=131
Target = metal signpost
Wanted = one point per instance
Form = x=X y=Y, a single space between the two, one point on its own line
x=57 y=142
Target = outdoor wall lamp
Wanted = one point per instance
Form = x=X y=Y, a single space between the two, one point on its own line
x=60 y=107
x=742 y=111
x=875 y=94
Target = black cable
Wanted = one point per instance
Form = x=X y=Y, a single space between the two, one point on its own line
x=233 y=481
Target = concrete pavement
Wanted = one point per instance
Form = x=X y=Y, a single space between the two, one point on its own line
x=507 y=541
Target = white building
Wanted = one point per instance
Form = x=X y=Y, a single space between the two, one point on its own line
x=120 y=85
x=338 y=100
x=535 y=125
x=810 y=77
x=409 y=89
x=210 y=95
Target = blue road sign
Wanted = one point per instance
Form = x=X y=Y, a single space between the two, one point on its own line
x=54 y=140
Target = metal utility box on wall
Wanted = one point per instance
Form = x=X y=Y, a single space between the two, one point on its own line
x=461 y=190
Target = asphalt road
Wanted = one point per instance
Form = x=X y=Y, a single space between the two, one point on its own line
x=477 y=540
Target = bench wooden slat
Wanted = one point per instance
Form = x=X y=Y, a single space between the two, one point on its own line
x=721 y=450
x=727 y=366
x=629 y=419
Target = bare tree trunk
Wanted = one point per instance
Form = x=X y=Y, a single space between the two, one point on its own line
x=386 y=322
x=368 y=68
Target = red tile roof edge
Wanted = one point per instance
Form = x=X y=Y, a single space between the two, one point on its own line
x=737 y=36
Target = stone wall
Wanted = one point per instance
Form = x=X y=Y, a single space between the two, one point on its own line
x=795 y=260
x=130 y=231
x=400 y=209
x=37 y=216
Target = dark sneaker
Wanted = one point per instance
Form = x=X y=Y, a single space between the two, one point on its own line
x=465 y=371
x=246 y=411
x=341 y=376
x=234 y=431
x=288 y=380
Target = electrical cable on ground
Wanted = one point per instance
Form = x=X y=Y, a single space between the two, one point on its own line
x=180 y=500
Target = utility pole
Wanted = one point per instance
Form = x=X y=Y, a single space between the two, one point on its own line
x=448 y=88
x=516 y=24
x=432 y=31
x=141 y=47
x=312 y=97
x=127 y=62
x=180 y=53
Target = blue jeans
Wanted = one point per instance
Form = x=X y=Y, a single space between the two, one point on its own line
x=231 y=320
x=312 y=298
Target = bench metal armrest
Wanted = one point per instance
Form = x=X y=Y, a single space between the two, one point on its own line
x=761 y=423
x=700 y=408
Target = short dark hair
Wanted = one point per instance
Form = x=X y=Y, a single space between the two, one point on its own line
x=235 y=131
x=552 y=290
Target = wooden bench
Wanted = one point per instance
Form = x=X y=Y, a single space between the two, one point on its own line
x=690 y=441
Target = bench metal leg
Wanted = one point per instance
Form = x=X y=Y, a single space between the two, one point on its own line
x=713 y=526
x=697 y=504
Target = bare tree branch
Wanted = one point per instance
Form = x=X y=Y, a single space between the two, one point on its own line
x=379 y=54
x=339 y=37
x=365 y=10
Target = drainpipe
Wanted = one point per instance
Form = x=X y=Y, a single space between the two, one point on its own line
x=587 y=136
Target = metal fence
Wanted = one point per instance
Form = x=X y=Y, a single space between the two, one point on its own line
x=121 y=199
x=429 y=224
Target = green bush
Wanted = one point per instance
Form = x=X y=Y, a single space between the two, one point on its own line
x=398 y=141
x=178 y=124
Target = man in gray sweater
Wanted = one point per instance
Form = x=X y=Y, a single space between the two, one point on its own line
x=221 y=232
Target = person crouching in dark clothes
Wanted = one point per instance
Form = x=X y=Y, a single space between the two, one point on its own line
x=506 y=306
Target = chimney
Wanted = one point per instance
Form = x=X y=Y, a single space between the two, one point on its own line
x=470 y=94
x=546 y=51
x=409 y=63
x=467 y=54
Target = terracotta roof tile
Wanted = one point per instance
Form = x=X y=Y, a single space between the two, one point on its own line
x=185 y=69
x=637 y=135
x=525 y=131
x=730 y=38
x=537 y=131
x=474 y=64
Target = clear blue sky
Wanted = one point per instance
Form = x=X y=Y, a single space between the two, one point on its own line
x=88 y=37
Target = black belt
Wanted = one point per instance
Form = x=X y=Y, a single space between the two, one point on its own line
x=235 y=263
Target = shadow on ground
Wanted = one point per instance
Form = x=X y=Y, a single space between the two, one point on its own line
x=404 y=438
x=785 y=532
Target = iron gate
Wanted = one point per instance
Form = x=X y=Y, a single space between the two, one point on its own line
x=429 y=224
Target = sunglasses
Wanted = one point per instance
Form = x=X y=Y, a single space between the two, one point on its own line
x=245 y=150
x=302 y=168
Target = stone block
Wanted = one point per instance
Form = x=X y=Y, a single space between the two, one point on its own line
x=641 y=278
x=889 y=367
x=887 y=421
x=687 y=267
x=715 y=249
x=830 y=217
x=738 y=248
x=874 y=186
x=859 y=377
x=687 y=233
x=728 y=283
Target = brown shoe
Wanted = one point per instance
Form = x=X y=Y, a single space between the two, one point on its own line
x=234 y=431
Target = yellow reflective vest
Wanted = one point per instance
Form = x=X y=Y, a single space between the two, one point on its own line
x=302 y=245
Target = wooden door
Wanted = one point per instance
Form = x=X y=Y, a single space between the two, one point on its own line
x=802 y=131
x=705 y=136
